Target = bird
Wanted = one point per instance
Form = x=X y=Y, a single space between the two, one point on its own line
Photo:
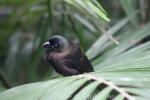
x=66 y=57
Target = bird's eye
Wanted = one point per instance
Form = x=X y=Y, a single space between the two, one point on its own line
x=55 y=45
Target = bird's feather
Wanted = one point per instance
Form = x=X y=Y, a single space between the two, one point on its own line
x=77 y=60
x=67 y=58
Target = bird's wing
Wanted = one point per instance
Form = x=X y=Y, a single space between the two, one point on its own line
x=67 y=71
x=77 y=60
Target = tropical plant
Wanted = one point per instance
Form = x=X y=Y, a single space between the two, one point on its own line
x=120 y=56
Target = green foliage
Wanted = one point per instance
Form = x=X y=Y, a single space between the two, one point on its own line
x=121 y=71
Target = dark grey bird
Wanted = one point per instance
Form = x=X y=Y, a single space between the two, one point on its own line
x=66 y=57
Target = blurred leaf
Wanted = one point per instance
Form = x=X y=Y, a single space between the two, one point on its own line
x=121 y=72
x=99 y=46
x=129 y=7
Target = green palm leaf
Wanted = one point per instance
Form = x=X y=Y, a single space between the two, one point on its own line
x=121 y=71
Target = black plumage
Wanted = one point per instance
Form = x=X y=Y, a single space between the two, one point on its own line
x=66 y=57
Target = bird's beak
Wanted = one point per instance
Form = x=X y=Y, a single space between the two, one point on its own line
x=46 y=45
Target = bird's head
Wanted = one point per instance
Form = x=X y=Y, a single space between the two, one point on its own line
x=56 y=43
